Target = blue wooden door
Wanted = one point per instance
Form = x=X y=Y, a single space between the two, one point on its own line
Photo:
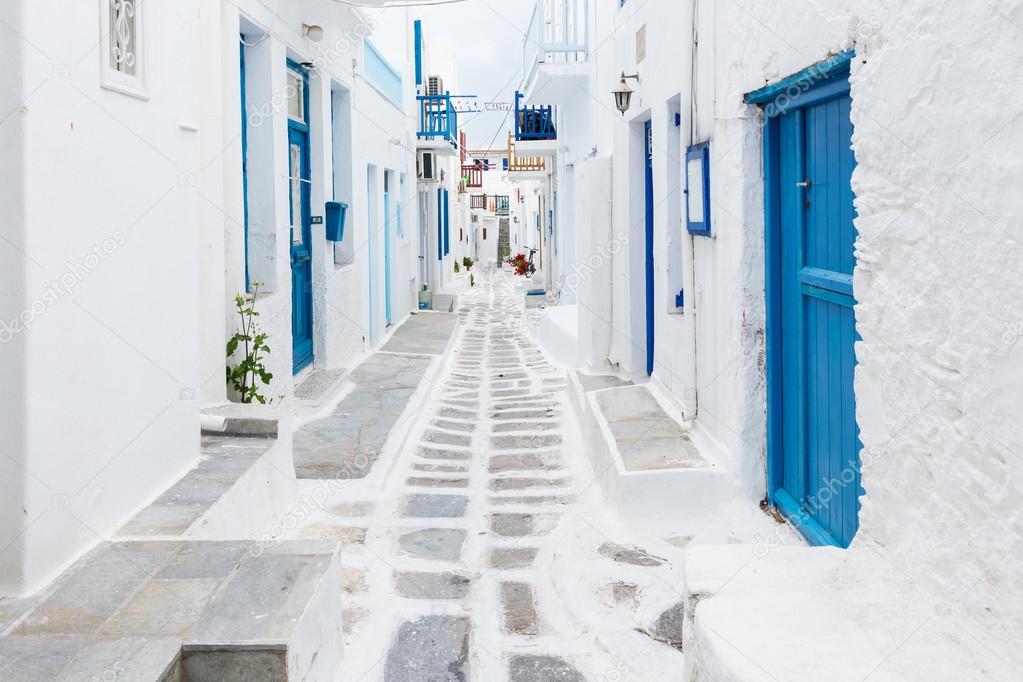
x=387 y=250
x=648 y=164
x=818 y=476
x=299 y=181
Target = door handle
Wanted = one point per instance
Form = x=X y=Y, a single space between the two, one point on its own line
x=805 y=184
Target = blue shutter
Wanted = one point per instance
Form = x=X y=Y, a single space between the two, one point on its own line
x=440 y=225
x=698 y=225
x=447 y=223
x=418 y=30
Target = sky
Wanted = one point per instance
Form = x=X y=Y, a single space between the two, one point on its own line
x=476 y=45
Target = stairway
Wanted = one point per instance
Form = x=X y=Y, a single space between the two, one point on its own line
x=503 y=241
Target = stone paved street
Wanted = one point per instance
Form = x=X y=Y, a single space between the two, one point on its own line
x=484 y=552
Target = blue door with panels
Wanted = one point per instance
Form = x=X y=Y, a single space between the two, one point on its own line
x=299 y=185
x=814 y=439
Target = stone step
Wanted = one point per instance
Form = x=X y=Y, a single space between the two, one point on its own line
x=224 y=462
x=650 y=468
x=186 y=611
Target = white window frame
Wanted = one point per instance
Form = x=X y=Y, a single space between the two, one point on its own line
x=111 y=78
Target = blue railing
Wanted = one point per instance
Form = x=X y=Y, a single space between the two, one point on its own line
x=502 y=205
x=438 y=118
x=558 y=33
x=533 y=122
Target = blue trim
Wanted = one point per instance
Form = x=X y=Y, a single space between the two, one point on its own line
x=245 y=161
x=417 y=29
x=700 y=151
x=447 y=222
x=387 y=252
x=799 y=83
x=772 y=285
x=648 y=160
x=810 y=529
x=301 y=256
x=382 y=75
x=440 y=225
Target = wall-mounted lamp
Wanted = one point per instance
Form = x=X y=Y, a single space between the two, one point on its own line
x=623 y=93
x=313 y=32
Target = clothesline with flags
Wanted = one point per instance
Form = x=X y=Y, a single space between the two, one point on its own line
x=471 y=105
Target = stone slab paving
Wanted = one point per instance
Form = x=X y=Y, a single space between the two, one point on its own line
x=347 y=444
x=423 y=333
x=454 y=574
x=135 y=610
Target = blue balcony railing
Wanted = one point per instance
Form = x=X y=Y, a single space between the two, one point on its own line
x=438 y=118
x=558 y=33
x=533 y=122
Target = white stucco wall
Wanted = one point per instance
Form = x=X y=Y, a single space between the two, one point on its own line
x=100 y=266
x=939 y=303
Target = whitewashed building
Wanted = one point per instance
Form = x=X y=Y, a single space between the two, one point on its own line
x=797 y=232
x=158 y=160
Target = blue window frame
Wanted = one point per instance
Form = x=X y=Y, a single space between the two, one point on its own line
x=245 y=160
x=447 y=223
x=697 y=190
x=440 y=224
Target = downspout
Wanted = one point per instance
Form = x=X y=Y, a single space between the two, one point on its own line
x=690 y=393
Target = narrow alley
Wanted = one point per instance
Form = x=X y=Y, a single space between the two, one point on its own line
x=488 y=554
x=511 y=341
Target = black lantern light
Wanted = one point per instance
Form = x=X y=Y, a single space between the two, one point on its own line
x=623 y=94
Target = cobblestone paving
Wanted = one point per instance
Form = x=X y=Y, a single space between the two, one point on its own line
x=448 y=581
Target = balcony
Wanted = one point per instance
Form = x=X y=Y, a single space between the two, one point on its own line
x=478 y=202
x=472 y=175
x=438 y=124
x=523 y=167
x=535 y=132
x=502 y=205
x=555 y=49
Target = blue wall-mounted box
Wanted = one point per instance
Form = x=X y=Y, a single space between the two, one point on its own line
x=334 y=220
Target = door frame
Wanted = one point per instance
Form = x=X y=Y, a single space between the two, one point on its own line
x=816 y=83
x=648 y=245
x=388 y=181
x=300 y=358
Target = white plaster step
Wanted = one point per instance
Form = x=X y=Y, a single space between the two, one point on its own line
x=236 y=419
x=650 y=468
x=858 y=617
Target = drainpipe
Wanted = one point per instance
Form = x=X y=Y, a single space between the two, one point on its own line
x=690 y=392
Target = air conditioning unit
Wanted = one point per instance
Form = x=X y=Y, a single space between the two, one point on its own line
x=434 y=85
x=426 y=166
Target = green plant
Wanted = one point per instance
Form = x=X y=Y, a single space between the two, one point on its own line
x=457 y=268
x=472 y=280
x=250 y=374
x=505 y=251
x=468 y=262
